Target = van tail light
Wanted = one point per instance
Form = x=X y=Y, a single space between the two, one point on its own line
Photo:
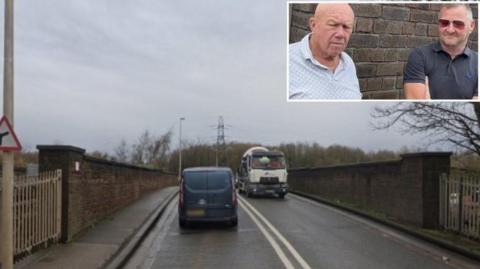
x=181 y=194
x=234 y=195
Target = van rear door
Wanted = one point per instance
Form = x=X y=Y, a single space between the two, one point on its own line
x=219 y=185
x=195 y=193
x=208 y=194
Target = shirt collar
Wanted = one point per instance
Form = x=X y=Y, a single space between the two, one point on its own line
x=437 y=47
x=308 y=55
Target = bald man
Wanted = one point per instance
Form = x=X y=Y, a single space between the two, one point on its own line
x=319 y=69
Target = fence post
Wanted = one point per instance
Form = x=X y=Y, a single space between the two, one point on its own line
x=58 y=184
x=441 y=201
x=460 y=205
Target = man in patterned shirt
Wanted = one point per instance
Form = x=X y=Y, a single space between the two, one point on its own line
x=446 y=69
x=318 y=67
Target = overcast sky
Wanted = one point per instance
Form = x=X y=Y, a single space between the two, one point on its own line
x=89 y=73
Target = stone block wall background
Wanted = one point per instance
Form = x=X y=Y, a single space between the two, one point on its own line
x=382 y=37
x=406 y=190
x=98 y=188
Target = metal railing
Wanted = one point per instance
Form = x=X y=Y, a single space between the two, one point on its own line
x=37 y=202
x=460 y=204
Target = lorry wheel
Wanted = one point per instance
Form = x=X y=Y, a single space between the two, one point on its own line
x=281 y=195
x=249 y=193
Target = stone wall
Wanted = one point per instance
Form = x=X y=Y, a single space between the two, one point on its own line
x=98 y=188
x=382 y=37
x=405 y=190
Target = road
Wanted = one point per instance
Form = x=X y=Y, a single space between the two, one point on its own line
x=291 y=233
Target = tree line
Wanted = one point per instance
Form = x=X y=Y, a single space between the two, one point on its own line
x=454 y=124
x=299 y=154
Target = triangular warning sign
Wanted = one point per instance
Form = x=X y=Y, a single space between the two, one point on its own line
x=8 y=139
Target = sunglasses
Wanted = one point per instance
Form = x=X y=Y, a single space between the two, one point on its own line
x=460 y=25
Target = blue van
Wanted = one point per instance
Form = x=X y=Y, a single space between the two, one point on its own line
x=207 y=194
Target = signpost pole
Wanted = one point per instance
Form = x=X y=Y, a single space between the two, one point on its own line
x=7 y=158
x=180 y=150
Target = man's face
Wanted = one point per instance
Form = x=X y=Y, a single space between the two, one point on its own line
x=454 y=27
x=331 y=31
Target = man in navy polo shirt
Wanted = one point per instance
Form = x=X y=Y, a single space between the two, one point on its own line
x=446 y=69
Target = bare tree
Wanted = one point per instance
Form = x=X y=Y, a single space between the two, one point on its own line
x=121 y=152
x=158 y=150
x=99 y=155
x=151 y=151
x=456 y=123
x=139 y=151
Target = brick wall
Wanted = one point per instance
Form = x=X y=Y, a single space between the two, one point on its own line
x=99 y=188
x=382 y=37
x=405 y=190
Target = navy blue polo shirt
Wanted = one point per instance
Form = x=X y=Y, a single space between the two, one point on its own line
x=447 y=78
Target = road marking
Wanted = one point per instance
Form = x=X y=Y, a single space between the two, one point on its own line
x=285 y=242
x=267 y=235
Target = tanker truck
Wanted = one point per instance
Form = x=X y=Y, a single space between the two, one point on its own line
x=262 y=172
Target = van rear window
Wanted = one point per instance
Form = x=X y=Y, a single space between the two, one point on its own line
x=207 y=180
x=196 y=180
x=218 y=180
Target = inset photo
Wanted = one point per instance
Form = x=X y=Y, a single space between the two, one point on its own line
x=382 y=51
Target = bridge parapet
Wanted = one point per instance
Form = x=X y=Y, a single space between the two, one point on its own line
x=93 y=189
x=406 y=190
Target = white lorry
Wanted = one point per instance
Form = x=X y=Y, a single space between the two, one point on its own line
x=262 y=172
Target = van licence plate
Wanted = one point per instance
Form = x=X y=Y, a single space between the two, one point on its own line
x=197 y=212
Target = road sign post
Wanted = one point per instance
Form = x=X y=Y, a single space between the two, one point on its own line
x=6 y=229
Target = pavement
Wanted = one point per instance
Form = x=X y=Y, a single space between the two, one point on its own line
x=109 y=243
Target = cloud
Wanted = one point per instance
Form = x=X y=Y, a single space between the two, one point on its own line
x=89 y=73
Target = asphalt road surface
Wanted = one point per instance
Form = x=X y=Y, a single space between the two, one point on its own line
x=288 y=233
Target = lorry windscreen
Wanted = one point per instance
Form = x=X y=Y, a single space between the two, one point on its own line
x=268 y=162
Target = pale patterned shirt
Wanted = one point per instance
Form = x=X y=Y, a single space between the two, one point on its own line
x=310 y=80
